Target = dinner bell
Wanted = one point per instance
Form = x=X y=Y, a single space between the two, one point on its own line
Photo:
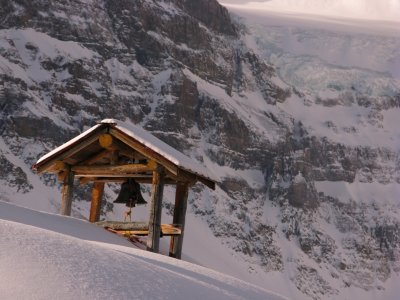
x=130 y=194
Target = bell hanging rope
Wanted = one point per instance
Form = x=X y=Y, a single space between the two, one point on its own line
x=130 y=194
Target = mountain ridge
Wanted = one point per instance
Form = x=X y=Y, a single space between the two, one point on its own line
x=195 y=81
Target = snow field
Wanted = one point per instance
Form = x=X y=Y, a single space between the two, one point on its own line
x=48 y=257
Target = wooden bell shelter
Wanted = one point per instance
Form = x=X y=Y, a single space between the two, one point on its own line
x=113 y=151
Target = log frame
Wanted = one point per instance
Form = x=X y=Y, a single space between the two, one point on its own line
x=111 y=170
x=145 y=151
x=181 y=196
x=153 y=238
x=138 y=179
x=95 y=205
x=102 y=154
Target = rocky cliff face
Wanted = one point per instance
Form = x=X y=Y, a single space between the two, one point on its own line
x=183 y=70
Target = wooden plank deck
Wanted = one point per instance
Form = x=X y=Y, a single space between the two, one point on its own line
x=138 y=228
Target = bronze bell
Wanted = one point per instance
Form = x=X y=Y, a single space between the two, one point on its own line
x=130 y=194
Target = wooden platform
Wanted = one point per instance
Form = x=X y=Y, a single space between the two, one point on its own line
x=138 y=228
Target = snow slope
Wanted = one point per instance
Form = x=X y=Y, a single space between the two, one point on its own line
x=365 y=43
x=384 y=10
x=333 y=59
x=45 y=256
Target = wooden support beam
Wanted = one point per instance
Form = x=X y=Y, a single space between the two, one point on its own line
x=91 y=177
x=56 y=167
x=207 y=182
x=175 y=247
x=169 y=178
x=85 y=180
x=61 y=175
x=114 y=170
x=184 y=176
x=139 y=179
x=148 y=180
x=107 y=141
x=153 y=239
x=95 y=158
x=114 y=157
x=67 y=192
x=123 y=149
x=95 y=206
x=192 y=179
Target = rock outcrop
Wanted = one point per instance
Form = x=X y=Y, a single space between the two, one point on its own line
x=182 y=70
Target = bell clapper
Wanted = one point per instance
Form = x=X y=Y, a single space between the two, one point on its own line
x=128 y=214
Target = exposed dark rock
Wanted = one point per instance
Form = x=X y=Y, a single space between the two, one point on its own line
x=145 y=63
x=13 y=177
x=212 y=14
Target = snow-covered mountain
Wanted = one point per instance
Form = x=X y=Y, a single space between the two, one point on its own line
x=295 y=114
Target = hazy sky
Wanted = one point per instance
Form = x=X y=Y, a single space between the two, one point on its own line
x=241 y=1
x=386 y=10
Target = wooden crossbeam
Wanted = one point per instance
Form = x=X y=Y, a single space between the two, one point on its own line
x=111 y=176
x=86 y=180
x=140 y=179
x=93 y=159
x=56 y=167
x=109 y=170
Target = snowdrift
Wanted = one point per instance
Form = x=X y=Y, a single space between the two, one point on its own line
x=45 y=256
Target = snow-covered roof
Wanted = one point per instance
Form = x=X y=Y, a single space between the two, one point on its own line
x=145 y=138
x=177 y=158
x=67 y=144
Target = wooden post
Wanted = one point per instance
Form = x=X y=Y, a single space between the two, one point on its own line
x=114 y=157
x=67 y=192
x=175 y=247
x=153 y=239
x=95 y=206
